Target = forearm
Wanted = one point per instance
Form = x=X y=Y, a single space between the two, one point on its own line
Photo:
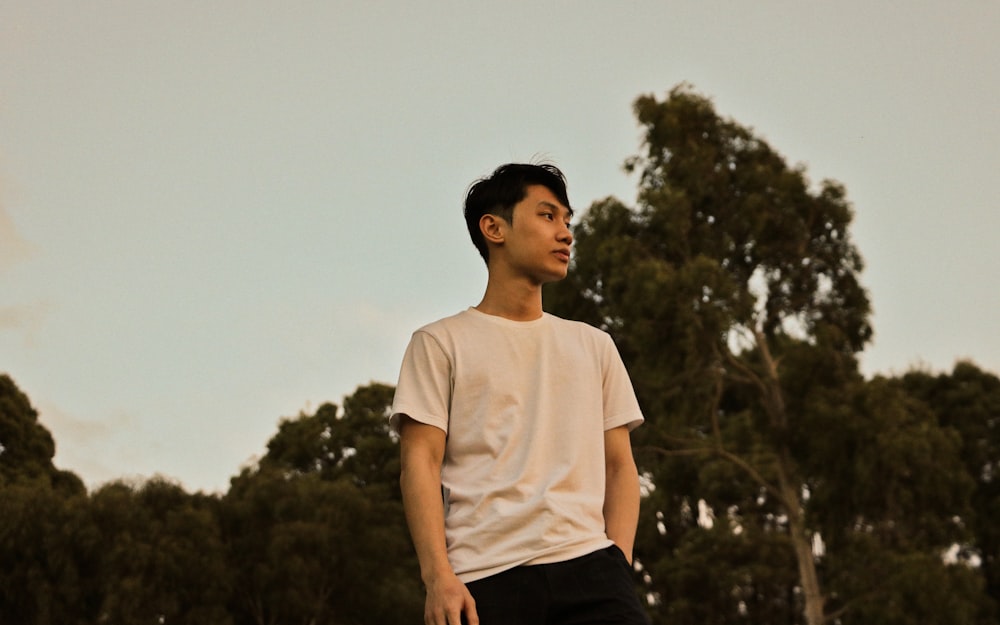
x=621 y=505
x=421 y=453
x=420 y=483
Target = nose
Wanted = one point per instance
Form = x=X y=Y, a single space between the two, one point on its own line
x=566 y=235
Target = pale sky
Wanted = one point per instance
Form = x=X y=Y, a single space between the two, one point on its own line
x=216 y=214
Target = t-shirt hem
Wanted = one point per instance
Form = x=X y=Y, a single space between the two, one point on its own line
x=631 y=419
x=559 y=556
x=396 y=418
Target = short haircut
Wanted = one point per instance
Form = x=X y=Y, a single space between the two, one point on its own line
x=498 y=193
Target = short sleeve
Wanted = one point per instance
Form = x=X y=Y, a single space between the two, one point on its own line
x=423 y=392
x=620 y=404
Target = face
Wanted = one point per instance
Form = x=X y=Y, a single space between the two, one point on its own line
x=536 y=245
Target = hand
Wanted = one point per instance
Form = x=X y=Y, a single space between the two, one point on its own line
x=447 y=600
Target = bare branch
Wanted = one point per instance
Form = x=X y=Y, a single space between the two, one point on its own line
x=675 y=452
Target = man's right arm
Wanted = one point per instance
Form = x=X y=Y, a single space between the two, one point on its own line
x=421 y=453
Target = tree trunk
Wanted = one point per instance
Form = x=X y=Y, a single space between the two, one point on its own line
x=774 y=403
x=802 y=544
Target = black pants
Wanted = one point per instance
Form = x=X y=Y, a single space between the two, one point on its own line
x=596 y=589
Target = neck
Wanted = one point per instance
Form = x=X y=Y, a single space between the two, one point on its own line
x=515 y=300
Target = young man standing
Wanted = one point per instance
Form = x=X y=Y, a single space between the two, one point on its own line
x=520 y=421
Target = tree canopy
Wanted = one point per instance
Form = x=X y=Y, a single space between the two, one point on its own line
x=785 y=486
x=312 y=533
x=26 y=446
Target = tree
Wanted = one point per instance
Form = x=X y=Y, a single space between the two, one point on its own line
x=357 y=445
x=48 y=573
x=890 y=509
x=968 y=401
x=312 y=534
x=316 y=529
x=160 y=555
x=46 y=577
x=26 y=446
x=732 y=290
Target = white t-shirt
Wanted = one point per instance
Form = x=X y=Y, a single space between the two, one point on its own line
x=525 y=406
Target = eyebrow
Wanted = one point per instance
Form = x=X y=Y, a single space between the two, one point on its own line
x=556 y=207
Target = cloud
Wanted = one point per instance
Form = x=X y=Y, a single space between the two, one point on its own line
x=12 y=247
x=90 y=448
x=24 y=318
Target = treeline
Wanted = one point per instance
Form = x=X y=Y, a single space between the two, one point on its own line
x=312 y=534
x=780 y=485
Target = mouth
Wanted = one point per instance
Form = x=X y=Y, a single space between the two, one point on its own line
x=562 y=255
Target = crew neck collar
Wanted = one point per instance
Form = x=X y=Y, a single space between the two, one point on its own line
x=505 y=321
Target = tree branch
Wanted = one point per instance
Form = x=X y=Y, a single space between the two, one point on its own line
x=726 y=455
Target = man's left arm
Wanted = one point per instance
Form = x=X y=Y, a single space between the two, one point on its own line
x=621 y=491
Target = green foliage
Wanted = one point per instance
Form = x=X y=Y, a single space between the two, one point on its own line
x=313 y=534
x=905 y=587
x=316 y=530
x=46 y=573
x=733 y=291
x=47 y=577
x=901 y=477
x=161 y=555
x=26 y=446
x=356 y=445
x=967 y=402
x=299 y=528
x=710 y=188
x=759 y=569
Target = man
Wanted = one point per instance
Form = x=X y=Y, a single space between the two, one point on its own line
x=520 y=420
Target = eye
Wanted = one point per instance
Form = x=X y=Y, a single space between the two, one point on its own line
x=549 y=216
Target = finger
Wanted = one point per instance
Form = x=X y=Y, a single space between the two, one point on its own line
x=435 y=617
x=471 y=616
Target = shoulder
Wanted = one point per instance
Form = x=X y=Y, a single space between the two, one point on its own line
x=579 y=329
x=446 y=324
x=449 y=334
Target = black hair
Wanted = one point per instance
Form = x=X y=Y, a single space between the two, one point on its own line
x=498 y=193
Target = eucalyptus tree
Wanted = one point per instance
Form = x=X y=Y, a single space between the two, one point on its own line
x=733 y=291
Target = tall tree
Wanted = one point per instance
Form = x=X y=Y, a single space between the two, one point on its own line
x=733 y=292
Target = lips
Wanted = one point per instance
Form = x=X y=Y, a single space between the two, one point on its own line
x=562 y=255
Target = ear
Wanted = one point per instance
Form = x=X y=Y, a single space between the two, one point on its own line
x=493 y=228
